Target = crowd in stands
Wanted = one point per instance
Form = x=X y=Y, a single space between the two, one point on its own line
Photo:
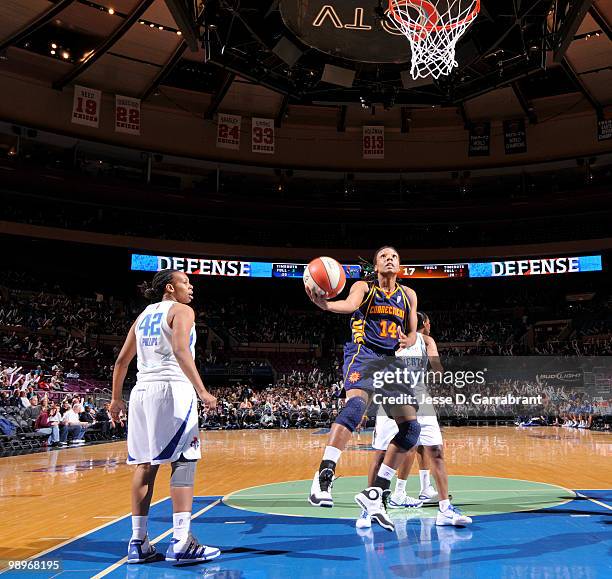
x=59 y=313
x=61 y=422
x=304 y=403
x=50 y=343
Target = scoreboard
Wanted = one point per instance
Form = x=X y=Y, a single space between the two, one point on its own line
x=435 y=270
x=297 y=270
x=267 y=269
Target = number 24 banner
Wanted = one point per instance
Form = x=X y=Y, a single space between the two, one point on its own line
x=228 y=131
x=373 y=142
x=127 y=115
x=262 y=136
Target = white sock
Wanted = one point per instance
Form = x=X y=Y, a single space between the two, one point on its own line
x=139 y=527
x=386 y=472
x=424 y=478
x=332 y=453
x=181 y=522
x=400 y=486
x=443 y=505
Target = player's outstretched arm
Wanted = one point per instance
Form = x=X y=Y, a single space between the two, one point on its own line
x=348 y=306
x=182 y=322
x=122 y=363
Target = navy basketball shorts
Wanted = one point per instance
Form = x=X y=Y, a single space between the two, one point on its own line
x=361 y=365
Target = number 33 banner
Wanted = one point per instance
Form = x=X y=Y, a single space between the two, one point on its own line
x=228 y=131
x=262 y=136
x=373 y=142
x=127 y=115
x=86 y=106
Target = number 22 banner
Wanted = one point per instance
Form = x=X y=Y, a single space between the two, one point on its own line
x=127 y=115
x=373 y=142
x=262 y=136
x=228 y=131
x=86 y=106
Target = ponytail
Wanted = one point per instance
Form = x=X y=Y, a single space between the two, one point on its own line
x=422 y=317
x=367 y=270
x=157 y=288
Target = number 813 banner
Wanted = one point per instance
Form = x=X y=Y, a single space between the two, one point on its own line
x=373 y=142
x=262 y=136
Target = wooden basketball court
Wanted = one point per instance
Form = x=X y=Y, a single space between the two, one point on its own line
x=505 y=477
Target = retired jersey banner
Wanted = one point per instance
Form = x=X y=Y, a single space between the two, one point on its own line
x=515 y=137
x=480 y=140
x=86 y=106
x=373 y=142
x=127 y=115
x=262 y=136
x=228 y=131
x=604 y=129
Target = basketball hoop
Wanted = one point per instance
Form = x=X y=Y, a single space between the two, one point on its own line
x=433 y=28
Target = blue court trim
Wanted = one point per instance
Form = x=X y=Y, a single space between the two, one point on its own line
x=569 y=540
x=169 y=450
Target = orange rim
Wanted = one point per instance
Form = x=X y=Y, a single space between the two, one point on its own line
x=431 y=14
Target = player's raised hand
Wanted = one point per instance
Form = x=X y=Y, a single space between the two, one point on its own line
x=316 y=299
x=406 y=340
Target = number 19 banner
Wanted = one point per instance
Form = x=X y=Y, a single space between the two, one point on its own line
x=86 y=106
x=127 y=115
x=373 y=142
x=228 y=131
x=262 y=136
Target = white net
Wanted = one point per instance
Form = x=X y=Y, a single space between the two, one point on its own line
x=433 y=28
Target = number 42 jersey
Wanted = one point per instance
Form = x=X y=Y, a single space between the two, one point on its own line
x=156 y=361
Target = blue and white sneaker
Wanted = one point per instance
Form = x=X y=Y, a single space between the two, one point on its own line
x=364 y=521
x=191 y=552
x=140 y=551
x=400 y=500
x=429 y=496
x=452 y=516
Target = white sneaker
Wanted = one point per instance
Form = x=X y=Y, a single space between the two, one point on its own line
x=400 y=500
x=190 y=551
x=429 y=495
x=364 y=521
x=320 y=490
x=371 y=500
x=452 y=516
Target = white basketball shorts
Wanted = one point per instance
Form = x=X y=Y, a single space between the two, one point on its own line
x=163 y=423
x=386 y=428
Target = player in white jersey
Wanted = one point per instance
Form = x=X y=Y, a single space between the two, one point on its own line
x=424 y=352
x=163 y=413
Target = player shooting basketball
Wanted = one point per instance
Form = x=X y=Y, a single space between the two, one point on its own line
x=384 y=318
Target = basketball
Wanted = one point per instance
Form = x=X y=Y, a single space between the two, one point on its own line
x=325 y=276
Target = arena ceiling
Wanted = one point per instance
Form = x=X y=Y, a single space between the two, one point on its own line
x=245 y=56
